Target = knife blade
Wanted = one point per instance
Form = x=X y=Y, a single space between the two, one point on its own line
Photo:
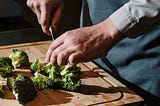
x=52 y=33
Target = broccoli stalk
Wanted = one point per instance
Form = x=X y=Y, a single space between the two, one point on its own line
x=23 y=88
x=19 y=58
x=6 y=66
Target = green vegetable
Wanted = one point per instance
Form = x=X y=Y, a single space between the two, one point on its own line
x=69 y=69
x=1 y=89
x=47 y=67
x=66 y=77
x=54 y=83
x=39 y=81
x=71 y=82
x=6 y=66
x=54 y=73
x=23 y=88
x=55 y=78
x=35 y=66
x=19 y=58
x=10 y=82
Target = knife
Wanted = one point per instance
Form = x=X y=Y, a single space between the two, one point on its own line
x=52 y=33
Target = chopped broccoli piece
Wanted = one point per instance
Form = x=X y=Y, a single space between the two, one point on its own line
x=69 y=69
x=19 y=58
x=35 y=66
x=10 y=82
x=71 y=82
x=54 y=83
x=55 y=78
x=54 y=73
x=39 y=81
x=49 y=76
x=47 y=67
x=1 y=89
x=6 y=66
x=42 y=70
x=24 y=89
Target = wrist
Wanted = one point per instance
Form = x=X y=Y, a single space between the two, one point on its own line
x=108 y=33
x=111 y=31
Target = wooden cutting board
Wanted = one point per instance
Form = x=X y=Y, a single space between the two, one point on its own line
x=98 y=87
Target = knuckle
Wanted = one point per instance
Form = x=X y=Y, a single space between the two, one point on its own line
x=68 y=33
x=36 y=5
x=43 y=4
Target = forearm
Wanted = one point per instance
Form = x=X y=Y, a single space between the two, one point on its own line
x=137 y=17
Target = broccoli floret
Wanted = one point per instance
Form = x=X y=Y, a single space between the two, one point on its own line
x=47 y=67
x=54 y=73
x=10 y=82
x=55 y=78
x=6 y=66
x=39 y=81
x=19 y=58
x=69 y=69
x=44 y=70
x=66 y=77
x=54 y=83
x=71 y=82
x=24 y=89
x=35 y=66
x=1 y=89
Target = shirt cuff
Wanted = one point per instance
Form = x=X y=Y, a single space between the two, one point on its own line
x=124 y=21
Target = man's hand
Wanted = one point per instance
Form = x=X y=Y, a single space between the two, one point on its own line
x=84 y=44
x=48 y=12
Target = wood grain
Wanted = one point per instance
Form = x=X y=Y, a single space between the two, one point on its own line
x=98 y=87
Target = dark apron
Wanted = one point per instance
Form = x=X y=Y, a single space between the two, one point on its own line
x=135 y=62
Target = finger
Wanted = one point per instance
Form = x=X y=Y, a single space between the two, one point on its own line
x=29 y=3
x=55 y=54
x=45 y=19
x=57 y=16
x=45 y=29
x=56 y=43
x=37 y=11
x=35 y=7
x=62 y=58
x=74 y=58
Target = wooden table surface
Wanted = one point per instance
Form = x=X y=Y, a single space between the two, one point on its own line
x=98 y=87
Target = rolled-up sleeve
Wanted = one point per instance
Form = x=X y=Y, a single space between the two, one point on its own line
x=137 y=17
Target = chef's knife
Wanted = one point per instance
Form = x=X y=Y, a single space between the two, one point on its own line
x=52 y=33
